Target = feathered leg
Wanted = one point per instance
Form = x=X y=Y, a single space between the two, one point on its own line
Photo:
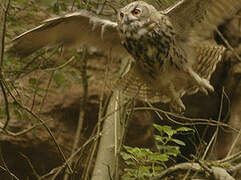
x=203 y=84
x=207 y=59
x=176 y=104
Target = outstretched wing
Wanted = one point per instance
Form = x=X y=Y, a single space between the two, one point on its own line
x=207 y=59
x=201 y=16
x=79 y=28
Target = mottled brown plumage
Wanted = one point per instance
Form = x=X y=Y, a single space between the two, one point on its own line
x=171 y=50
x=165 y=62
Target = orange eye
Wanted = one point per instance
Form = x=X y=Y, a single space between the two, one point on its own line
x=136 y=12
x=121 y=15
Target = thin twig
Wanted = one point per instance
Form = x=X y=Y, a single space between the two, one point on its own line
x=214 y=137
x=94 y=138
x=182 y=166
x=11 y=174
x=235 y=168
x=231 y=158
x=5 y=165
x=213 y=172
x=31 y=166
x=228 y=44
x=92 y=153
x=234 y=143
x=72 y=6
x=82 y=104
x=98 y=125
x=5 y=7
x=101 y=7
x=5 y=101
x=23 y=131
x=210 y=144
x=116 y=134
x=25 y=69
x=194 y=121
x=36 y=89
x=61 y=66
x=157 y=113
x=46 y=91
x=41 y=121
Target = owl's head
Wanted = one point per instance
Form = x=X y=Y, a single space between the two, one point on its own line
x=134 y=15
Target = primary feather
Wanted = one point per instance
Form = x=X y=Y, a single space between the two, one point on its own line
x=75 y=29
x=201 y=17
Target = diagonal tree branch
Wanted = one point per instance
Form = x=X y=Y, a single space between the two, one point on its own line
x=4 y=9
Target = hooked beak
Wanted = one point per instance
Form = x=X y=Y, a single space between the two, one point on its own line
x=127 y=20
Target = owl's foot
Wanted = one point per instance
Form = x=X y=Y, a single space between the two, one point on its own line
x=176 y=104
x=203 y=84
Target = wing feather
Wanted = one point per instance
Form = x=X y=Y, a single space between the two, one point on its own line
x=132 y=85
x=207 y=59
x=76 y=29
x=201 y=16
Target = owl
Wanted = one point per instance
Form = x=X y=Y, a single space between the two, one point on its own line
x=171 y=51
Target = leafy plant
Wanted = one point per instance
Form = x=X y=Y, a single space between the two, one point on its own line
x=143 y=163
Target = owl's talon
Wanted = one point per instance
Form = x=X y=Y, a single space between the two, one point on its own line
x=204 y=84
x=177 y=106
x=203 y=90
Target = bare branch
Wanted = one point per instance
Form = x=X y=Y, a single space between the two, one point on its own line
x=5 y=168
x=218 y=173
x=5 y=6
x=4 y=10
x=41 y=121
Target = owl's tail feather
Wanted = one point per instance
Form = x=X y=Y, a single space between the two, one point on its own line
x=208 y=57
x=132 y=85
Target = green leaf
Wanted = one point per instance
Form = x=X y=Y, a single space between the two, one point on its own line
x=162 y=139
x=159 y=138
x=130 y=163
x=158 y=157
x=144 y=171
x=179 y=142
x=141 y=158
x=126 y=156
x=163 y=157
x=166 y=129
x=158 y=168
x=184 y=129
x=170 y=150
x=169 y=131
x=130 y=173
x=158 y=127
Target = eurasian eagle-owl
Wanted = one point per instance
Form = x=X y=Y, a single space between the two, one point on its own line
x=171 y=49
